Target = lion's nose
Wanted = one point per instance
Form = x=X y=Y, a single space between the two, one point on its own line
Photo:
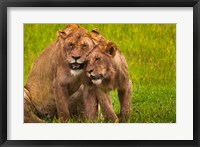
x=76 y=57
x=90 y=71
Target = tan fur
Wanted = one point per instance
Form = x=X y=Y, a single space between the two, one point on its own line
x=109 y=62
x=52 y=80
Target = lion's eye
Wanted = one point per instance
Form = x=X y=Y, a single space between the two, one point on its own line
x=84 y=46
x=71 y=45
x=97 y=60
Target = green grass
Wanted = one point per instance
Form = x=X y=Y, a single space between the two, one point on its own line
x=150 y=50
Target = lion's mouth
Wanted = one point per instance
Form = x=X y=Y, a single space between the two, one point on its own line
x=98 y=77
x=76 y=66
x=97 y=80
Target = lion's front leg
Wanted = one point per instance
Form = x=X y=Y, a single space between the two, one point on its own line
x=61 y=98
x=90 y=103
x=105 y=103
x=125 y=102
x=76 y=103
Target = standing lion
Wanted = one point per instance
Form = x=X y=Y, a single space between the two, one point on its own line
x=107 y=69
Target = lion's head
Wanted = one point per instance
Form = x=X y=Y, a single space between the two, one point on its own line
x=100 y=66
x=76 y=43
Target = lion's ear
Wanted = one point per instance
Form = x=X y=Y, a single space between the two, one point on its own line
x=111 y=51
x=62 y=34
x=96 y=36
x=67 y=30
x=96 y=31
x=111 y=48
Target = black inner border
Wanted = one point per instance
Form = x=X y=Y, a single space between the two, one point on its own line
x=98 y=3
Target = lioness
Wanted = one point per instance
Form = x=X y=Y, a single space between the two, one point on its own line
x=57 y=74
x=76 y=101
x=107 y=69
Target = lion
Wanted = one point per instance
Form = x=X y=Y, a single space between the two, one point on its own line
x=76 y=101
x=107 y=69
x=57 y=74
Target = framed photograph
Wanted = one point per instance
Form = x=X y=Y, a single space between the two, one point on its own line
x=85 y=73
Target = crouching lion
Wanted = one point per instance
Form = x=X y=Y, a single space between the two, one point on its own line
x=57 y=74
x=107 y=69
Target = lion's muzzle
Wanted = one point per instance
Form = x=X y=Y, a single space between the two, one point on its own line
x=98 y=77
x=76 y=66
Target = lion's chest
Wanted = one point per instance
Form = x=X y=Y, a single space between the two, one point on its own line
x=74 y=84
